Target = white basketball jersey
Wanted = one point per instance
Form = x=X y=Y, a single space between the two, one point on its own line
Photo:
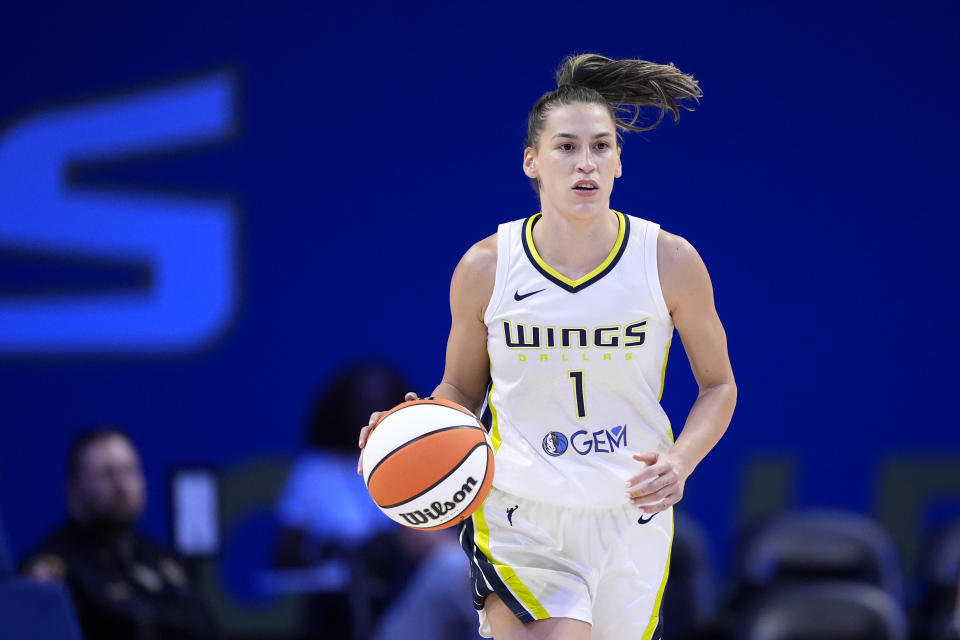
x=576 y=368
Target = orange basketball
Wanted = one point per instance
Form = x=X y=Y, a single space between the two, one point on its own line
x=428 y=464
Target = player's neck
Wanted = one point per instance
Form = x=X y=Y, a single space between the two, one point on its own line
x=574 y=244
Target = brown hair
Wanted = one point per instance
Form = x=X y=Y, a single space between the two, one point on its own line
x=622 y=86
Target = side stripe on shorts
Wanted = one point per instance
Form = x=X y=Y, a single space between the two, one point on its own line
x=658 y=632
x=487 y=578
x=655 y=631
x=504 y=573
x=481 y=588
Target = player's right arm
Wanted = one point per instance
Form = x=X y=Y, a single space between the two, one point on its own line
x=467 y=369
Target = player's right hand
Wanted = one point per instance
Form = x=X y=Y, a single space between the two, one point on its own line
x=364 y=432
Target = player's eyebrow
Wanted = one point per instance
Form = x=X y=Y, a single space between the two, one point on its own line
x=602 y=134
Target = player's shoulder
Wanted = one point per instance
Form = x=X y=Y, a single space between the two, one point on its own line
x=479 y=263
x=674 y=252
x=474 y=278
x=683 y=275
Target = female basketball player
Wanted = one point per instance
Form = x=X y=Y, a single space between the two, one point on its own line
x=562 y=323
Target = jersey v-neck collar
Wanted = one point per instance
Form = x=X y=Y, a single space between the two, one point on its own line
x=580 y=283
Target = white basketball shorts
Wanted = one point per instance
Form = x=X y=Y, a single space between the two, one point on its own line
x=607 y=567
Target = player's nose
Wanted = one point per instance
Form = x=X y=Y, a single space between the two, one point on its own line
x=585 y=162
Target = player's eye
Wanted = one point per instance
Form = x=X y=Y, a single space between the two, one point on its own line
x=603 y=146
x=566 y=146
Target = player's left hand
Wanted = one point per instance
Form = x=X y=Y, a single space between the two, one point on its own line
x=660 y=485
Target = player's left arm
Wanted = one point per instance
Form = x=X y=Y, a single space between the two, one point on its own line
x=688 y=293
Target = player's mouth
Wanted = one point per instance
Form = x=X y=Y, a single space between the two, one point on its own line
x=586 y=188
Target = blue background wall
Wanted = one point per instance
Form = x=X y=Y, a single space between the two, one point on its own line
x=341 y=159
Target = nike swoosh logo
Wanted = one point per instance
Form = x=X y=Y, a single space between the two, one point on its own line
x=642 y=521
x=520 y=296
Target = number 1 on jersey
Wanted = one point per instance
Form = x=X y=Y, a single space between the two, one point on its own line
x=577 y=377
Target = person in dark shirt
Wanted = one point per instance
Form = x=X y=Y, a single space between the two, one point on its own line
x=122 y=585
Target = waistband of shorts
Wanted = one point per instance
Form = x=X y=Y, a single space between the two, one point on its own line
x=590 y=508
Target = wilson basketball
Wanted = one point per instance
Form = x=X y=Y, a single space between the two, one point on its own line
x=428 y=464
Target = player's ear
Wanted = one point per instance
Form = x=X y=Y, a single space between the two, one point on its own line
x=619 y=171
x=530 y=162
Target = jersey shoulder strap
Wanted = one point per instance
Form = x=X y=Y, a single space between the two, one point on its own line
x=508 y=239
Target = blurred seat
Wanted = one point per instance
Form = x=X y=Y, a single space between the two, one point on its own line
x=31 y=611
x=689 y=601
x=940 y=573
x=824 y=611
x=807 y=545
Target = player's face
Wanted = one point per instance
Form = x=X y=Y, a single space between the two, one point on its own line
x=109 y=485
x=577 y=159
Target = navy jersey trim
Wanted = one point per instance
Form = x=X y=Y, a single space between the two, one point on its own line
x=564 y=283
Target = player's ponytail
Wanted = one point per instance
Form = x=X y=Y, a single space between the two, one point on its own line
x=623 y=86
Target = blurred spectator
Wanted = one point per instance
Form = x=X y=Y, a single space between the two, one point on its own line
x=439 y=591
x=336 y=545
x=123 y=586
x=325 y=509
x=329 y=524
